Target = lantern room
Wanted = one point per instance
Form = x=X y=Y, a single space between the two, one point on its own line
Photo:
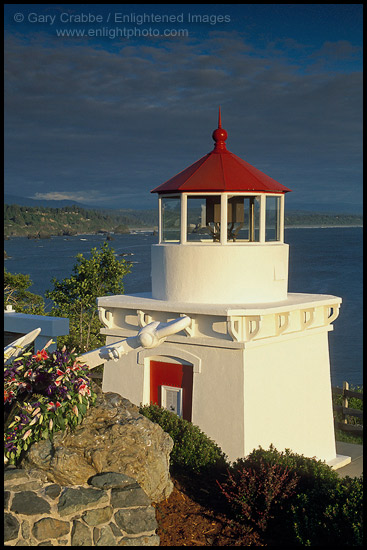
x=221 y=232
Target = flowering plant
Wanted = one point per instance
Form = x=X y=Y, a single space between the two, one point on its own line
x=43 y=393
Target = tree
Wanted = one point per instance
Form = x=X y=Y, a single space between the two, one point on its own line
x=17 y=295
x=76 y=297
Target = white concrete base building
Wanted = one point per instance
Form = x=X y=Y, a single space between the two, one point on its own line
x=252 y=369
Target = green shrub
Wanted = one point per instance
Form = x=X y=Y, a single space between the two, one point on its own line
x=324 y=509
x=345 y=514
x=193 y=450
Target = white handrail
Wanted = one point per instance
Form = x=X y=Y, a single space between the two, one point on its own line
x=149 y=336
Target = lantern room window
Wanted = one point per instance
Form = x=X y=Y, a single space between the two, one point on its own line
x=243 y=218
x=203 y=219
x=272 y=232
x=221 y=218
x=171 y=219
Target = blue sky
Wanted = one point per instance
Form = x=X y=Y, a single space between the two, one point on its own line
x=106 y=115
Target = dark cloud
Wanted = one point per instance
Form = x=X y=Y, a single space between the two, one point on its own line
x=116 y=122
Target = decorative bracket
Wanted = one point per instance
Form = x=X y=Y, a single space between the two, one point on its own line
x=105 y=316
x=282 y=322
x=235 y=328
x=331 y=313
x=143 y=318
x=307 y=317
x=253 y=326
x=242 y=329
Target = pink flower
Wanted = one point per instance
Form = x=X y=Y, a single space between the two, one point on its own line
x=27 y=434
x=8 y=396
x=53 y=406
x=30 y=374
x=83 y=389
x=40 y=355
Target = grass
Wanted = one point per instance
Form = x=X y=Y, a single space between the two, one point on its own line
x=353 y=403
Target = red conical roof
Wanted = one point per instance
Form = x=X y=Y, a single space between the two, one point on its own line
x=221 y=171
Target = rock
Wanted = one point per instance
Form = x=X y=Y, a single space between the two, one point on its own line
x=80 y=535
x=53 y=491
x=73 y=500
x=104 y=536
x=49 y=528
x=21 y=480
x=13 y=474
x=100 y=515
x=11 y=527
x=113 y=437
x=26 y=529
x=136 y=520
x=28 y=503
x=109 y=480
x=131 y=496
x=152 y=540
x=6 y=499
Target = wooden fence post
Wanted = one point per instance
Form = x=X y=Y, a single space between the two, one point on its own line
x=345 y=400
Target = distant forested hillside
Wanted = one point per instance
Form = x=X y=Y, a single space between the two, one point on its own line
x=314 y=219
x=39 y=221
x=25 y=221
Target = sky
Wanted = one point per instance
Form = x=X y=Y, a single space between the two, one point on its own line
x=104 y=102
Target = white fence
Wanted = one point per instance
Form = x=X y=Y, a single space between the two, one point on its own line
x=18 y=324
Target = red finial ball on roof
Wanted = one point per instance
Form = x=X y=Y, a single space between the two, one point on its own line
x=219 y=135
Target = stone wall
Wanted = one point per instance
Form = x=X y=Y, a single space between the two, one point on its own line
x=110 y=510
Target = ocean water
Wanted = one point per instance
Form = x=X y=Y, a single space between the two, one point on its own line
x=321 y=261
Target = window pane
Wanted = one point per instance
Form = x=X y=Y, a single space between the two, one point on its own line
x=243 y=218
x=171 y=219
x=272 y=229
x=203 y=219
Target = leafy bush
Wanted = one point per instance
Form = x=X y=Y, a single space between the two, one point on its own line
x=43 y=393
x=345 y=514
x=193 y=450
x=76 y=296
x=324 y=509
x=256 y=493
x=16 y=294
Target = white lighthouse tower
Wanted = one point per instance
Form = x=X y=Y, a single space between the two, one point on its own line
x=252 y=367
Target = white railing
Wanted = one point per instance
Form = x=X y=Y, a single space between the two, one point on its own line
x=22 y=323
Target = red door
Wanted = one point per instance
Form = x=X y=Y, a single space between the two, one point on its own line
x=172 y=374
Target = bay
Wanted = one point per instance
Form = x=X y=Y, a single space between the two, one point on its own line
x=321 y=261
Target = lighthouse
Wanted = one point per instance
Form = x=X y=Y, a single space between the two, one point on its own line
x=250 y=364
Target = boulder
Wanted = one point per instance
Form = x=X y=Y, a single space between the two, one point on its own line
x=113 y=437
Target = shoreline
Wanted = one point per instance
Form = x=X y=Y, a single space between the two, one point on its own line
x=320 y=226
x=139 y=230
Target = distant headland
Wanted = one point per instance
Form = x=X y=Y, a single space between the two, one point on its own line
x=44 y=222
